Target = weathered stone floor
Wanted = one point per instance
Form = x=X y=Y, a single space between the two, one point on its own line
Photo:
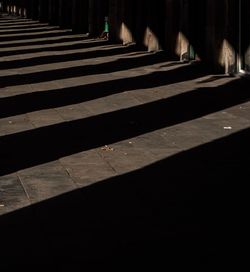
x=75 y=112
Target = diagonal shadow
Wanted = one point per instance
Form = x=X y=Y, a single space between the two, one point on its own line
x=13 y=21
x=2 y=19
x=17 y=23
x=45 y=42
x=26 y=149
x=34 y=35
x=65 y=57
x=178 y=212
x=122 y=64
x=22 y=25
x=30 y=30
x=35 y=101
x=62 y=47
x=213 y=78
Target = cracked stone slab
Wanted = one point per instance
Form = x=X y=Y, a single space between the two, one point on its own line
x=46 y=181
x=12 y=194
x=87 y=167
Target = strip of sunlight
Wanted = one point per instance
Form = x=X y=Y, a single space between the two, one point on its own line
x=115 y=160
x=125 y=34
x=87 y=54
x=46 y=46
x=30 y=29
x=151 y=41
x=116 y=72
x=152 y=94
x=33 y=33
x=227 y=56
x=56 y=38
x=26 y=26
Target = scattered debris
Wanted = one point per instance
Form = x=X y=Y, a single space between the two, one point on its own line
x=2 y=205
x=228 y=128
x=130 y=142
x=107 y=148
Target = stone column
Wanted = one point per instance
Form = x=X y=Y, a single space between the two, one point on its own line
x=155 y=33
x=29 y=9
x=245 y=36
x=43 y=11
x=197 y=19
x=4 y=6
x=34 y=9
x=65 y=13
x=80 y=11
x=129 y=15
x=141 y=8
x=115 y=20
x=22 y=11
x=221 y=35
x=53 y=12
x=98 y=9
x=182 y=48
x=172 y=27
x=13 y=7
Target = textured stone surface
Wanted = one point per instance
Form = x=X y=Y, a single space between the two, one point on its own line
x=117 y=156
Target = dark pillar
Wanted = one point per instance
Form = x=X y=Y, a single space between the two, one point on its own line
x=29 y=9
x=244 y=39
x=155 y=32
x=54 y=12
x=221 y=34
x=4 y=6
x=14 y=7
x=129 y=21
x=183 y=36
x=80 y=22
x=141 y=24
x=191 y=37
x=43 y=10
x=98 y=9
x=34 y=9
x=172 y=27
x=65 y=13
x=116 y=20
x=22 y=8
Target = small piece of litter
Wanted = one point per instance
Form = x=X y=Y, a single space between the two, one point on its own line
x=130 y=142
x=1 y=206
x=227 y=128
x=107 y=148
